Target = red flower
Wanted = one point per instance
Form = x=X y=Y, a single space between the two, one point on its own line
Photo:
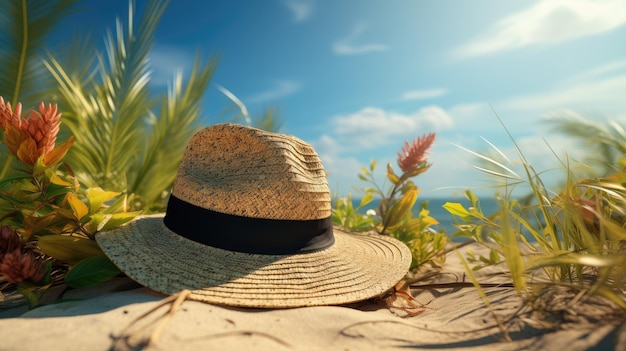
x=9 y=241
x=414 y=154
x=34 y=135
x=17 y=264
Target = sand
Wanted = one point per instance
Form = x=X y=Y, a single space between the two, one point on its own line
x=453 y=317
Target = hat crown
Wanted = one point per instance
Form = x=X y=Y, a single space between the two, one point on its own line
x=244 y=171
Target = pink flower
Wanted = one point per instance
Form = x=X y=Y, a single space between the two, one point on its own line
x=8 y=116
x=34 y=135
x=413 y=154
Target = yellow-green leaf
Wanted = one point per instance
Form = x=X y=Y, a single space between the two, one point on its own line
x=414 y=172
x=456 y=209
x=104 y=222
x=373 y=165
x=577 y=259
x=366 y=199
x=41 y=225
x=391 y=175
x=400 y=208
x=119 y=205
x=55 y=179
x=470 y=196
x=78 y=207
x=97 y=197
x=425 y=217
x=364 y=171
x=69 y=249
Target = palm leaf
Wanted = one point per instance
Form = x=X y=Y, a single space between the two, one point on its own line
x=107 y=114
x=121 y=144
x=24 y=28
x=269 y=120
x=237 y=104
x=605 y=142
x=177 y=122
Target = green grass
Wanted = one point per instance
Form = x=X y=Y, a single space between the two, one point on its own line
x=574 y=238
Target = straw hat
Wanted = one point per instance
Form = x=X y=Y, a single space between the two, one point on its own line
x=249 y=224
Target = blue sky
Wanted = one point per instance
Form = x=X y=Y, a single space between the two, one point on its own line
x=356 y=78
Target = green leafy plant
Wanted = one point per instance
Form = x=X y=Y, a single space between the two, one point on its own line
x=352 y=218
x=47 y=221
x=395 y=216
x=24 y=28
x=121 y=143
x=575 y=237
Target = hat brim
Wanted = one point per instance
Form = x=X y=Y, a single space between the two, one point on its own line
x=356 y=267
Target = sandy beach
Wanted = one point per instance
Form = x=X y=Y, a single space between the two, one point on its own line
x=454 y=317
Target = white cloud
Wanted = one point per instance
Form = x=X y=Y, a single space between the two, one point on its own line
x=607 y=91
x=349 y=46
x=166 y=60
x=281 y=89
x=372 y=126
x=549 y=21
x=609 y=68
x=422 y=94
x=468 y=111
x=301 y=10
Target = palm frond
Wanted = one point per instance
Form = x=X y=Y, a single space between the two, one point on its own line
x=107 y=114
x=171 y=131
x=243 y=110
x=121 y=144
x=606 y=142
x=24 y=28
x=269 y=120
x=493 y=162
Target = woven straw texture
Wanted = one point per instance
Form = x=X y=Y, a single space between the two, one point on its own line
x=247 y=172
x=355 y=268
x=253 y=173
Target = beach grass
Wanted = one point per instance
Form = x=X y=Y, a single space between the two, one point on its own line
x=574 y=238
